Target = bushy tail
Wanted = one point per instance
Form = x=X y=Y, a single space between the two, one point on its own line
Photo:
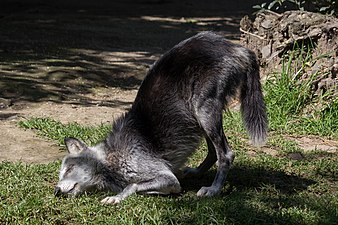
x=253 y=106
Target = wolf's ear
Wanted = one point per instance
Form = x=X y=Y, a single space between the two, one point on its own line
x=74 y=145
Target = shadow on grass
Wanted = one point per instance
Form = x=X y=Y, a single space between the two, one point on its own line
x=256 y=196
x=252 y=178
x=250 y=207
x=62 y=51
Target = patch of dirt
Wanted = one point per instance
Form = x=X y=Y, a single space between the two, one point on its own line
x=102 y=108
x=19 y=145
x=306 y=143
x=264 y=149
x=79 y=61
x=312 y=143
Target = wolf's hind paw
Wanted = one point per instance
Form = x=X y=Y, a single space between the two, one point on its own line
x=111 y=200
x=208 y=191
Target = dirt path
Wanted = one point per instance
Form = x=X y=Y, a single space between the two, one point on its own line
x=79 y=61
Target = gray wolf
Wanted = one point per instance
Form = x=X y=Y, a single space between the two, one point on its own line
x=179 y=102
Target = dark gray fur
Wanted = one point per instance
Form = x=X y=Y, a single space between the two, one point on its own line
x=179 y=102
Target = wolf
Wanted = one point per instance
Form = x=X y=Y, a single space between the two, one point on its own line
x=179 y=102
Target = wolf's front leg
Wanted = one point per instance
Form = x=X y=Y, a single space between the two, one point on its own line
x=208 y=162
x=130 y=189
x=165 y=183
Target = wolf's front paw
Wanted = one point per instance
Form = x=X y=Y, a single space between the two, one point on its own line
x=111 y=200
x=208 y=191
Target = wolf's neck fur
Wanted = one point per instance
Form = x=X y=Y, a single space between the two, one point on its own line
x=128 y=132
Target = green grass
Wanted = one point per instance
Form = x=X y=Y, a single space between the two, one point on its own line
x=292 y=105
x=260 y=189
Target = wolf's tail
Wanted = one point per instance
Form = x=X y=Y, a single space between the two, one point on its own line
x=253 y=106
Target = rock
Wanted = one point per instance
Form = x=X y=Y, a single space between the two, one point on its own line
x=316 y=32
x=266 y=51
x=267 y=24
x=5 y=103
x=246 y=23
x=295 y=156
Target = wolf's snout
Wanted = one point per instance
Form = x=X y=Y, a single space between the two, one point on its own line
x=57 y=191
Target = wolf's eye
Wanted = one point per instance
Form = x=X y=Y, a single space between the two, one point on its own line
x=69 y=169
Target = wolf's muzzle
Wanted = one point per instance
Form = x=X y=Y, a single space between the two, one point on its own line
x=57 y=191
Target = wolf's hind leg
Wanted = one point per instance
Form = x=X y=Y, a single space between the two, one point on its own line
x=208 y=162
x=225 y=158
x=211 y=121
x=164 y=183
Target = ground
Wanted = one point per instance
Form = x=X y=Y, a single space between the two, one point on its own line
x=77 y=61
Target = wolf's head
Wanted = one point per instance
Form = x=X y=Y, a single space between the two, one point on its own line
x=81 y=168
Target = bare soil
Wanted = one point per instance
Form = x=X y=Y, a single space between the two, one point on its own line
x=80 y=61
